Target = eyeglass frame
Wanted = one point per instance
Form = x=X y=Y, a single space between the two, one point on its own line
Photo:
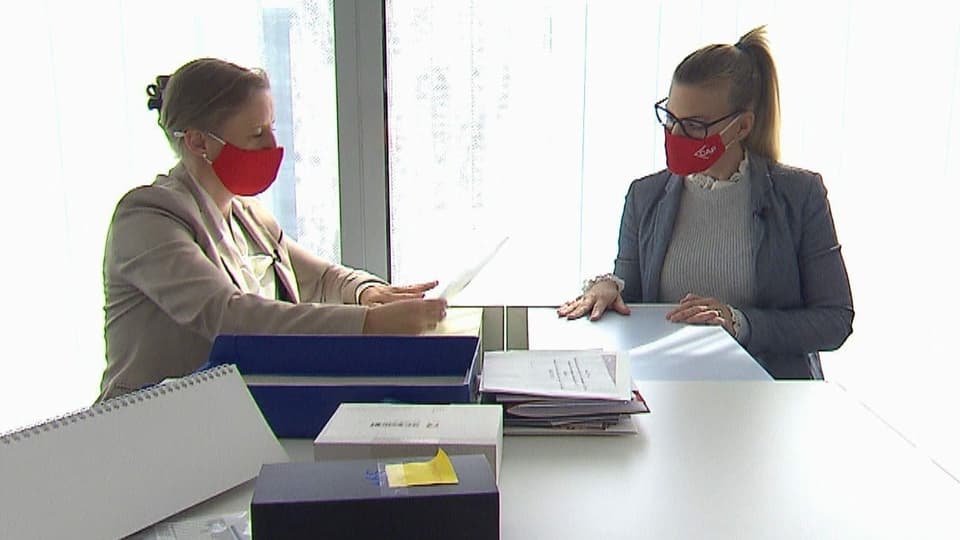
x=658 y=106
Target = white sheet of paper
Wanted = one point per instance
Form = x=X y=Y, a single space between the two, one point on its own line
x=569 y=374
x=459 y=283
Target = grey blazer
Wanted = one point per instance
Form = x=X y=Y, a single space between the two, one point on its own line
x=803 y=300
x=171 y=284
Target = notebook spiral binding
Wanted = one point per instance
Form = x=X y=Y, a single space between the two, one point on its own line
x=115 y=403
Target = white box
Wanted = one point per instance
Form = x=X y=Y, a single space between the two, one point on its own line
x=386 y=431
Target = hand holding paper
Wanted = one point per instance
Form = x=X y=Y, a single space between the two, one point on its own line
x=384 y=294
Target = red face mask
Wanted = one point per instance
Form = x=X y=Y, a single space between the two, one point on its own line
x=687 y=156
x=246 y=172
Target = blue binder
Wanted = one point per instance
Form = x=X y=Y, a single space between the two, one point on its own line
x=301 y=410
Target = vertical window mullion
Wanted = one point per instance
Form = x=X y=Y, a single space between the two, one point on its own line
x=361 y=127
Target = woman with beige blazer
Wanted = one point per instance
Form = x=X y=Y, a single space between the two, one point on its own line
x=192 y=256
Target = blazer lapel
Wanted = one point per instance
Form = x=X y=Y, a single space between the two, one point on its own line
x=215 y=224
x=233 y=268
x=764 y=214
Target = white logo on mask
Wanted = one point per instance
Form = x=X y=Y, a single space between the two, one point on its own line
x=704 y=152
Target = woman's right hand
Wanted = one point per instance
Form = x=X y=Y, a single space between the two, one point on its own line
x=601 y=296
x=405 y=316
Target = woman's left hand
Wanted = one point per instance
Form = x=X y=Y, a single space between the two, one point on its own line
x=695 y=309
x=384 y=294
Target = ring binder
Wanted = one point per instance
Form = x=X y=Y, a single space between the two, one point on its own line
x=114 y=403
x=111 y=469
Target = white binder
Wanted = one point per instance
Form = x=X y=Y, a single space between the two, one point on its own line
x=112 y=469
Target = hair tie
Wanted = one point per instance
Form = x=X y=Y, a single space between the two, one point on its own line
x=155 y=93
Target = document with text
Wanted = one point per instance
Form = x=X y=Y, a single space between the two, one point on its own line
x=572 y=374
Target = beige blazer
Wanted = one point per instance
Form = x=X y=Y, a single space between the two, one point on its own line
x=171 y=284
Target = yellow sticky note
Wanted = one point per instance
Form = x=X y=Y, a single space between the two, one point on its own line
x=438 y=470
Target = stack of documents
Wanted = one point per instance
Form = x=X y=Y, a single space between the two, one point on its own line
x=562 y=392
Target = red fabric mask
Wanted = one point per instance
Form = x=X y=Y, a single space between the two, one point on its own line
x=247 y=172
x=687 y=156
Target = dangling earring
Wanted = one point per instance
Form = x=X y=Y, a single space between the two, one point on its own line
x=205 y=158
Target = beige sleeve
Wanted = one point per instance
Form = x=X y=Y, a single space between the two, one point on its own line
x=153 y=248
x=318 y=280
x=323 y=281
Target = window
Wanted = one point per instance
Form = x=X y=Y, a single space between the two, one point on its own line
x=83 y=136
x=493 y=112
x=530 y=119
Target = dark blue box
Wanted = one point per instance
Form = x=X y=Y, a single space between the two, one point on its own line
x=303 y=379
x=349 y=499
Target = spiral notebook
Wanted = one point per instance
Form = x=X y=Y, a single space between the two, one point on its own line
x=110 y=470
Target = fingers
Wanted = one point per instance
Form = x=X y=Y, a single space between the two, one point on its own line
x=706 y=315
x=384 y=294
x=683 y=303
x=597 y=311
x=696 y=309
x=715 y=317
x=694 y=314
x=594 y=304
x=409 y=292
x=690 y=300
x=436 y=309
x=405 y=317
x=421 y=315
x=709 y=315
x=438 y=303
x=620 y=306
x=581 y=307
x=598 y=307
x=415 y=288
x=397 y=296
x=677 y=309
x=600 y=304
x=568 y=307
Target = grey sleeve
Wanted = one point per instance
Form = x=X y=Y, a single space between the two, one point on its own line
x=826 y=317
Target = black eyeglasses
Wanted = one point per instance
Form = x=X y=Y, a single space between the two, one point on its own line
x=695 y=129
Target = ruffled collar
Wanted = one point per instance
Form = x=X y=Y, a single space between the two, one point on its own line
x=708 y=182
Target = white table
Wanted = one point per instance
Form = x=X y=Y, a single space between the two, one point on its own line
x=659 y=349
x=727 y=459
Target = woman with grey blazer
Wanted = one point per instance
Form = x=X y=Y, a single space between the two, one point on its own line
x=738 y=239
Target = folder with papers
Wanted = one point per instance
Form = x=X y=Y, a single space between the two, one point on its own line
x=562 y=392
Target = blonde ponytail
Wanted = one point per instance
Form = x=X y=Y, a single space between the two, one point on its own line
x=749 y=67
